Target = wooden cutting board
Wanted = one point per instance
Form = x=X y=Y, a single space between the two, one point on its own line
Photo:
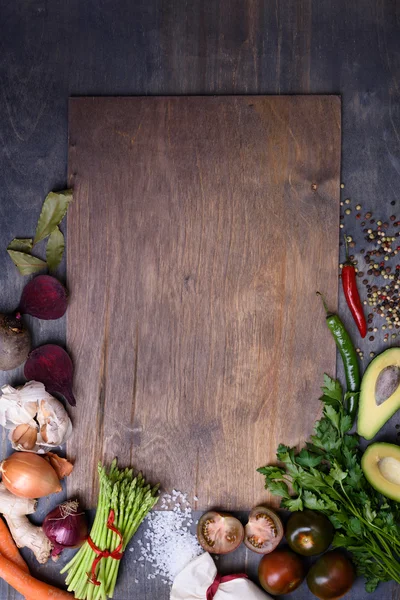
x=200 y=231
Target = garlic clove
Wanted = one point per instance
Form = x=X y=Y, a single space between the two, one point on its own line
x=24 y=436
x=43 y=433
x=55 y=424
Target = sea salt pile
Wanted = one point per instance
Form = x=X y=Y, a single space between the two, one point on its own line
x=168 y=544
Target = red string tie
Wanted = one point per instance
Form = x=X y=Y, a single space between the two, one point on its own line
x=116 y=554
x=212 y=590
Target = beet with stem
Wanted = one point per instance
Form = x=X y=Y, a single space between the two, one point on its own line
x=44 y=297
x=15 y=342
x=52 y=366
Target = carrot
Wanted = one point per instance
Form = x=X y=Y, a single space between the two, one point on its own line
x=9 y=549
x=27 y=585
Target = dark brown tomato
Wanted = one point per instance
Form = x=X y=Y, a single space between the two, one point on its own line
x=331 y=576
x=281 y=572
x=264 y=530
x=309 y=532
x=219 y=533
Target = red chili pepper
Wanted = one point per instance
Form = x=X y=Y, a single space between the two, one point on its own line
x=352 y=296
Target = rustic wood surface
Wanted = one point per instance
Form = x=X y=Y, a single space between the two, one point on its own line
x=196 y=242
x=52 y=50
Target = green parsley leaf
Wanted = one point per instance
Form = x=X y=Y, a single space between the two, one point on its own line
x=332 y=415
x=332 y=388
x=346 y=423
x=355 y=526
x=272 y=472
x=278 y=488
x=337 y=474
x=292 y=504
x=306 y=459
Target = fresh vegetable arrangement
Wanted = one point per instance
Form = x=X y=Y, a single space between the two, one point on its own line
x=338 y=496
x=38 y=421
x=327 y=476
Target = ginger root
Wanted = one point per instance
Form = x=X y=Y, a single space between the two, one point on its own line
x=29 y=536
x=15 y=506
x=25 y=534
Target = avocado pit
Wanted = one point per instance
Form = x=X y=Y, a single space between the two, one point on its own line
x=387 y=383
x=390 y=469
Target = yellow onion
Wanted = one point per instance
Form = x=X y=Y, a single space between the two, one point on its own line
x=29 y=475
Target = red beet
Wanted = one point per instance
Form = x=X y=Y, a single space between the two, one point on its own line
x=52 y=366
x=44 y=297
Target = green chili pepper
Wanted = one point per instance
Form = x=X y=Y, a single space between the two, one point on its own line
x=349 y=357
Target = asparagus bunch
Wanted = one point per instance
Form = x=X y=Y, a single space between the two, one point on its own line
x=131 y=498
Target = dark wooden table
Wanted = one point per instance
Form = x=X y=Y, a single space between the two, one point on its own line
x=50 y=50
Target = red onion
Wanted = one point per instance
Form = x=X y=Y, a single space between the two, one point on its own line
x=66 y=527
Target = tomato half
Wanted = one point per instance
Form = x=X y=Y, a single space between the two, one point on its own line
x=309 y=532
x=219 y=533
x=264 y=530
x=331 y=576
x=281 y=572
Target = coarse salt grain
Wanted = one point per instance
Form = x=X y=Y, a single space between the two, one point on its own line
x=169 y=544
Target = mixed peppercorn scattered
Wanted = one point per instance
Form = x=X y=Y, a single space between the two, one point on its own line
x=377 y=269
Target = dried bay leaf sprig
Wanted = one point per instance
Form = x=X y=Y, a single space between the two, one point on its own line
x=26 y=263
x=53 y=211
x=55 y=248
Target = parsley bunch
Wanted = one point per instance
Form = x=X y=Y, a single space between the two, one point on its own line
x=326 y=476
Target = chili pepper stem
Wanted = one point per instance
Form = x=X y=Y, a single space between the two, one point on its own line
x=347 y=250
x=324 y=303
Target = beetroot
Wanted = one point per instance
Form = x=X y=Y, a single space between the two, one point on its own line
x=52 y=366
x=44 y=297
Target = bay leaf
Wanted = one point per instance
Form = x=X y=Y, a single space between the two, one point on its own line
x=26 y=263
x=54 y=209
x=21 y=244
x=55 y=249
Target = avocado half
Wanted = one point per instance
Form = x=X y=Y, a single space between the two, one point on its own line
x=379 y=393
x=381 y=466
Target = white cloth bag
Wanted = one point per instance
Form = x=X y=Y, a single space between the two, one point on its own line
x=193 y=582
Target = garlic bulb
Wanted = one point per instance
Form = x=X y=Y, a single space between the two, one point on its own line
x=37 y=420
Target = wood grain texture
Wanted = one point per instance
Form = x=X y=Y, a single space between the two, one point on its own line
x=195 y=246
x=51 y=50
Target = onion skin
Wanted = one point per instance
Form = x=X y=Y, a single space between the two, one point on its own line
x=29 y=475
